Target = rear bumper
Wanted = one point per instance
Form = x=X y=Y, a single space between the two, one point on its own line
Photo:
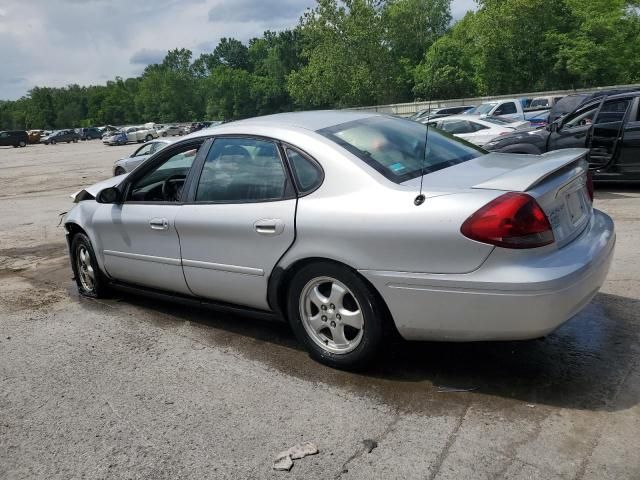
x=514 y=295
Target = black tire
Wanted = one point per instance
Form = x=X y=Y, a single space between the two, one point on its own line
x=148 y=138
x=119 y=171
x=100 y=285
x=376 y=321
x=75 y=140
x=52 y=142
x=22 y=143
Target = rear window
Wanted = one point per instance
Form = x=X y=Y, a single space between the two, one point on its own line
x=398 y=148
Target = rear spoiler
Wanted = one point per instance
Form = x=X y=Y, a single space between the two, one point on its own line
x=533 y=173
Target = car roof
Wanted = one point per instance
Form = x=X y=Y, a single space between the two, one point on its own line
x=310 y=120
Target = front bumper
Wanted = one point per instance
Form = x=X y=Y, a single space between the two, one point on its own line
x=514 y=295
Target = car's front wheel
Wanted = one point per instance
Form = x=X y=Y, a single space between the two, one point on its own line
x=52 y=142
x=90 y=281
x=148 y=138
x=119 y=171
x=336 y=315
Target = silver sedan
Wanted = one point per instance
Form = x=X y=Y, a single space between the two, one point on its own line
x=351 y=226
x=139 y=155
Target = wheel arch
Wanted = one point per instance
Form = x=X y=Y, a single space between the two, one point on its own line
x=280 y=280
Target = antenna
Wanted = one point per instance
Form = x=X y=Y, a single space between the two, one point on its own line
x=419 y=200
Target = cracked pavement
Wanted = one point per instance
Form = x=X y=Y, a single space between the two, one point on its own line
x=131 y=387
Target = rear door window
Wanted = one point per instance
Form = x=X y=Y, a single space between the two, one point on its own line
x=242 y=170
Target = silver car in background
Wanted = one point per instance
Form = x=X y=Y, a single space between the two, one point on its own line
x=139 y=155
x=351 y=225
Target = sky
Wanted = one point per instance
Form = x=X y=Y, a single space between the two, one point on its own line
x=58 y=42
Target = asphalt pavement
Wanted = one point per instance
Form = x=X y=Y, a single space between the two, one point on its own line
x=132 y=387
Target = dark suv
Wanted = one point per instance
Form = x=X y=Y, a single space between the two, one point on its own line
x=608 y=126
x=14 y=138
x=61 y=136
x=90 y=133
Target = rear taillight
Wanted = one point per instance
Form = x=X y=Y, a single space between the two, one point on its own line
x=590 y=184
x=513 y=220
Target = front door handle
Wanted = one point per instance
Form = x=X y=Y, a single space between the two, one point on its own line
x=269 y=226
x=159 y=224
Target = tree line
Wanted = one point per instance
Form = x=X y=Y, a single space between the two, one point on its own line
x=346 y=53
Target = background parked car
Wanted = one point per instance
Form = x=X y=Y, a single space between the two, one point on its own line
x=14 y=138
x=544 y=102
x=60 y=136
x=510 y=108
x=475 y=130
x=35 y=136
x=139 y=155
x=115 y=138
x=169 y=130
x=426 y=115
x=609 y=128
x=89 y=133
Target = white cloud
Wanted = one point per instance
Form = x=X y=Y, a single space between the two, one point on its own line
x=60 y=42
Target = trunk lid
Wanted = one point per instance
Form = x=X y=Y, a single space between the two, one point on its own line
x=557 y=180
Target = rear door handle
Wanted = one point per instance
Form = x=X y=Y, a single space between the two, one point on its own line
x=269 y=226
x=159 y=224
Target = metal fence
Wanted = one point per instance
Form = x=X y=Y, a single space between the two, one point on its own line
x=407 y=109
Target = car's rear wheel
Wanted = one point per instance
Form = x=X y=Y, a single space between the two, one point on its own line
x=88 y=277
x=336 y=315
x=148 y=138
x=52 y=142
x=22 y=143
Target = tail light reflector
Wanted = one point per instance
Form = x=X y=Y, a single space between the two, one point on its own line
x=513 y=220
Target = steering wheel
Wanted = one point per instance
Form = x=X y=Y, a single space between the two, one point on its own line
x=172 y=187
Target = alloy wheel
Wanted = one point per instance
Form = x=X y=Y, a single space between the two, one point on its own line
x=85 y=270
x=331 y=315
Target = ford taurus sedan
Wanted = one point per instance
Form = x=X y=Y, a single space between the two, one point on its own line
x=350 y=225
x=139 y=155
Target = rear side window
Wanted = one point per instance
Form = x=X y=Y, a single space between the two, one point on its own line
x=457 y=126
x=307 y=174
x=242 y=170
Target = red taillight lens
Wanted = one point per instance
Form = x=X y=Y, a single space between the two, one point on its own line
x=513 y=220
x=590 y=184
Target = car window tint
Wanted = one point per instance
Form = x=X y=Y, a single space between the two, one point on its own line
x=583 y=116
x=174 y=169
x=396 y=147
x=457 y=126
x=146 y=150
x=307 y=174
x=476 y=127
x=507 y=109
x=613 y=110
x=242 y=170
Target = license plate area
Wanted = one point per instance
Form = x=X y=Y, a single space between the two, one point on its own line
x=576 y=207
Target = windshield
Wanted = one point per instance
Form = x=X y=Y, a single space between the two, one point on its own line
x=396 y=147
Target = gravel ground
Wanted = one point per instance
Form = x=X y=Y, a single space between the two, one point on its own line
x=136 y=388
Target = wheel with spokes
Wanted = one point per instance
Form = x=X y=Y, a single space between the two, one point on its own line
x=336 y=315
x=88 y=277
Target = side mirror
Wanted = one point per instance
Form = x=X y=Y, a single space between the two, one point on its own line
x=108 y=195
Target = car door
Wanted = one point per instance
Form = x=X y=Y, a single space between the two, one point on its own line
x=629 y=159
x=131 y=134
x=5 y=139
x=606 y=134
x=574 y=129
x=137 y=237
x=238 y=222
